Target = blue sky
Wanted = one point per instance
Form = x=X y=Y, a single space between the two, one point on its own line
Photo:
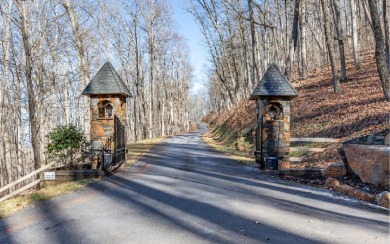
x=189 y=29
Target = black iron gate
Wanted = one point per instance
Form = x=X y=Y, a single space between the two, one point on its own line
x=120 y=142
x=113 y=156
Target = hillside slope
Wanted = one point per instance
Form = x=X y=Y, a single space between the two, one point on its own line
x=359 y=109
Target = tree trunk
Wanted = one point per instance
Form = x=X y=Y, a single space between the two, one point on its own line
x=387 y=30
x=293 y=40
x=380 y=56
x=355 y=33
x=83 y=64
x=137 y=79
x=340 y=38
x=254 y=43
x=32 y=106
x=4 y=163
x=328 y=39
x=367 y=11
x=151 y=46
x=303 y=40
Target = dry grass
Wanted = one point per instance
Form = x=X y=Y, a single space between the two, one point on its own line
x=8 y=207
x=15 y=204
x=139 y=149
x=239 y=156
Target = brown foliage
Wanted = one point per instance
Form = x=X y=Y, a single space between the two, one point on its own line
x=360 y=108
x=239 y=118
x=318 y=112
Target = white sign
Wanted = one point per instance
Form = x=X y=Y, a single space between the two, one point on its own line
x=49 y=175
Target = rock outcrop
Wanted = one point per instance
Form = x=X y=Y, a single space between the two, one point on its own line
x=369 y=162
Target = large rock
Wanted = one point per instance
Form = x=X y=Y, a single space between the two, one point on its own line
x=369 y=162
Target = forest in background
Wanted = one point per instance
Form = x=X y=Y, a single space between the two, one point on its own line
x=244 y=37
x=50 y=50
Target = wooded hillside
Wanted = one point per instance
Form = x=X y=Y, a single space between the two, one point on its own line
x=316 y=112
x=244 y=37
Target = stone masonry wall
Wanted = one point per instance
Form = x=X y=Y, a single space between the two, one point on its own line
x=103 y=128
x=276 y=130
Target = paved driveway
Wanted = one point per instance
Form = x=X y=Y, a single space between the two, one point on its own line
x=184 y=192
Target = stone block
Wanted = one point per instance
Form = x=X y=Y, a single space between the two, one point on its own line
x=276 y=125
x=387 y=139
x=283 y=150
x=288 y=136
x=335 y=183
x=361 y=195
x=383 y=199
x=370 y=163
x=95 y=122
x=332 y=182
x=335 y=170
x=97 y=131
x=284 y=165
x=286 y=123
x=97 y=145
x=264 y=134
x=117 y=102
x=343 y=188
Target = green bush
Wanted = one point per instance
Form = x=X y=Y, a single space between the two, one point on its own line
x=65 y=143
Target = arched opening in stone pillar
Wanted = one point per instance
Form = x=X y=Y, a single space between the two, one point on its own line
x=274 y=110
x=105 y=109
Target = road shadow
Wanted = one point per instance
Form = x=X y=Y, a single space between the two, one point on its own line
x=164 y=189
x=247 y=229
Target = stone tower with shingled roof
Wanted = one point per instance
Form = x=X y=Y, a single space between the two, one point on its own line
x=273 y=96
x=108 y=95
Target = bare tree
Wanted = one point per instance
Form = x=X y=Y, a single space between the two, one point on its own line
x=340 y=38
x=386 y=23
x=354 y=28
x=83 y=62
x=380 y=56
x=328 y=38
x=255 y=71
x=294 y=40
x=302 y=24
x=32 y=101
x=5 y=165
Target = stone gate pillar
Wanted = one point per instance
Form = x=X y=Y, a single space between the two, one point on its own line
x=273 y=95
x=108 y=95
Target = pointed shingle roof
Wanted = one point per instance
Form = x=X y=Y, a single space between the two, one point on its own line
x=273 y=84
x=107 y=81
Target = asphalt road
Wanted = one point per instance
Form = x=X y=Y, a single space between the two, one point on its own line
x=184 y=192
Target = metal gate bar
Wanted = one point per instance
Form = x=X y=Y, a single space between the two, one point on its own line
x=112 y=158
